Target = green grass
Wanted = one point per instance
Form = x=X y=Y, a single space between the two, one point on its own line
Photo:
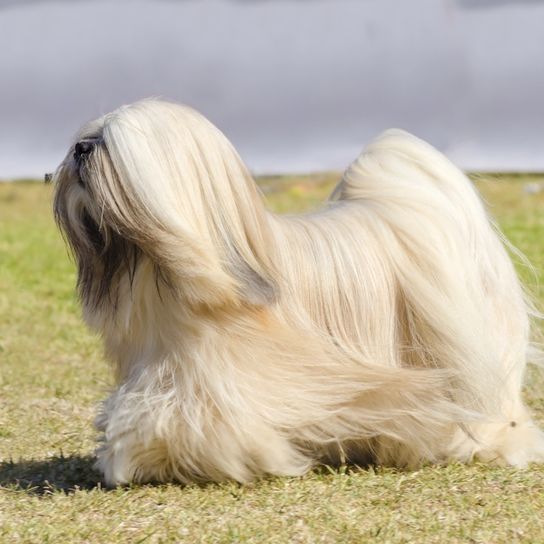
x=52 y=374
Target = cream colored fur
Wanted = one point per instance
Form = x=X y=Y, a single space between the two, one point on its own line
x=389 y=326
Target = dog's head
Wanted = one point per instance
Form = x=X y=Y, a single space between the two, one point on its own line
x=157 y=181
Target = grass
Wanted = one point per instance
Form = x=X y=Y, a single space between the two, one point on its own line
x=52 y=374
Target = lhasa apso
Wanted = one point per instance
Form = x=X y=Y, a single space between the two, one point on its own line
x=388 y=327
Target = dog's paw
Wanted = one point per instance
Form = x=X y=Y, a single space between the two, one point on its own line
x=515 y=444
x=114 y=463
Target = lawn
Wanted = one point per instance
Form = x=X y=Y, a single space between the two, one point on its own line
x=52 y=374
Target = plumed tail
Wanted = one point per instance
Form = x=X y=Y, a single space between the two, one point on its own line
x=462 y=303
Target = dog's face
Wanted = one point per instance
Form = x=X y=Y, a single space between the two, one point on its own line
x=157 y=182
x=101 y=252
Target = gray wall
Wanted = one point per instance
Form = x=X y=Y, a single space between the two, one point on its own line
x=296 y=85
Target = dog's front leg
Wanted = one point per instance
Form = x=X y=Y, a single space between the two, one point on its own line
x=132 y=448
x=120 y=438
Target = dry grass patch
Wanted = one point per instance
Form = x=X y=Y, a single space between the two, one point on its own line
x=52 y=374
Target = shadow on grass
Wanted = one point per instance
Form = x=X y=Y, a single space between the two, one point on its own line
x=71 y=473
x=42 y=477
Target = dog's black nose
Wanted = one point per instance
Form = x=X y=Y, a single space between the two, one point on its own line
x=82 y=148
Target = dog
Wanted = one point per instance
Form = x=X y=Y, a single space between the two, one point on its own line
x=387 y=327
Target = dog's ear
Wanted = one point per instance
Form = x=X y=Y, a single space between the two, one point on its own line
x=243 y=234
x=241 y=273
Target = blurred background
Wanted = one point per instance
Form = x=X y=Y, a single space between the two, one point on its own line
x=297 y=85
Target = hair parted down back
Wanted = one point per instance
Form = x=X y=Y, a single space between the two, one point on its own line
x=389 y=326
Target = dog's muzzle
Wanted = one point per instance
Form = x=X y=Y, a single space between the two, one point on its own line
x=82 y=149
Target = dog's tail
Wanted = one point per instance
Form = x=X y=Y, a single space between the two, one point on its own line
x=462 y=303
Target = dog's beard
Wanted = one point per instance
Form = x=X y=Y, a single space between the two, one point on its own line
x=106 y=258
x=103 y=256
